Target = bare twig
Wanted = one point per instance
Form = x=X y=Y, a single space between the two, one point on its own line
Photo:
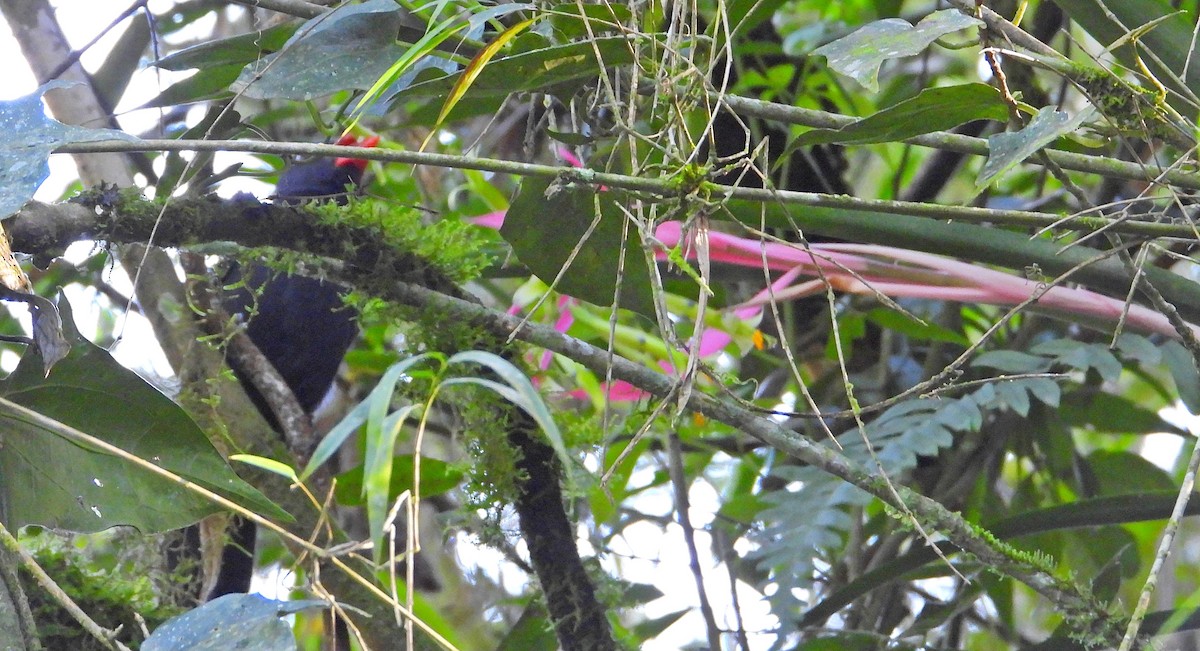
x=679 y=484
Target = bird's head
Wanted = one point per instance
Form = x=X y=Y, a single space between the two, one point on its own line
x=323 y=178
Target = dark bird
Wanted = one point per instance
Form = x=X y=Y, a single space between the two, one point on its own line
x=299 y=323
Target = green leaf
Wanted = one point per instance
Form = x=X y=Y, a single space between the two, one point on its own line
x=1082 y=357
x=352 y=421
x=1139 y=349
x=1106 y=412
x=437 y=477
x=935 y=109
x=900 y=322
x=234 y=621
x=652 y=627
x=1007 y=150
x=350 y=47
x=50 y=480
x=382 y=432
x=851 y=326
x=561 y=68
x=25 y=152
x=1011 y=361
x=548 y=220
x=1183 y=370
x=519 y=391
x=269 y=465
x=474 y=69
x=1121 y=473
x=860 y=55
x=745 y=15
x=209 y=83
x=532 y=632
x=574 y=21
x=239 y=50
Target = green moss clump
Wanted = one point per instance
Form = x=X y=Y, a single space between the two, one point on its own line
x=113 y=589
x=457 y=249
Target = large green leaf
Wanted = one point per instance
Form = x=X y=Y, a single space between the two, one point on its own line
x=351 y=47
x=1006 y=150
x=218 y=64
x=239 y=50
x=234 y=621
x=30 y=138
x=48 y=480
x=207 y=84
x=860 y=55
x=1118 y=472
x=548 y=220
x=1108 y=412
x=935 y=109
x=561 y=69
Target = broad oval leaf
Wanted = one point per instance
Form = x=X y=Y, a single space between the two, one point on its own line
x=350 y=47
x=50 y=480
x=1006 y=150
x=30 y=137
x=549 y=220
x=563 y=68
x=934 y=109
x=234 y=621
x=860 y=55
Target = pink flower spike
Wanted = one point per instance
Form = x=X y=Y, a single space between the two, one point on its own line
x=622 y=391
x=713 y=341
x=565 y=319
x=744 y=252
x=568 y=157
x=493 y=220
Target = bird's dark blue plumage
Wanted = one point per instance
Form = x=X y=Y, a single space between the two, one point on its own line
x=299 y=323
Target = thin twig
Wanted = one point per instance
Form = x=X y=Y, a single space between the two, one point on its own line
x=297 y=8
x=662 y=186
x=679 y=485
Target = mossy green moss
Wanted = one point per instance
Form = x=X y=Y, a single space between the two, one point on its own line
x=459 y=250
x=114 y=589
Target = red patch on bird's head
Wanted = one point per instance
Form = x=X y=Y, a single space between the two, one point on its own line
x=352 y=141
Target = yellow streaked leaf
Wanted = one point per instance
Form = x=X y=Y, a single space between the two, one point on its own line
x=472 y=71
